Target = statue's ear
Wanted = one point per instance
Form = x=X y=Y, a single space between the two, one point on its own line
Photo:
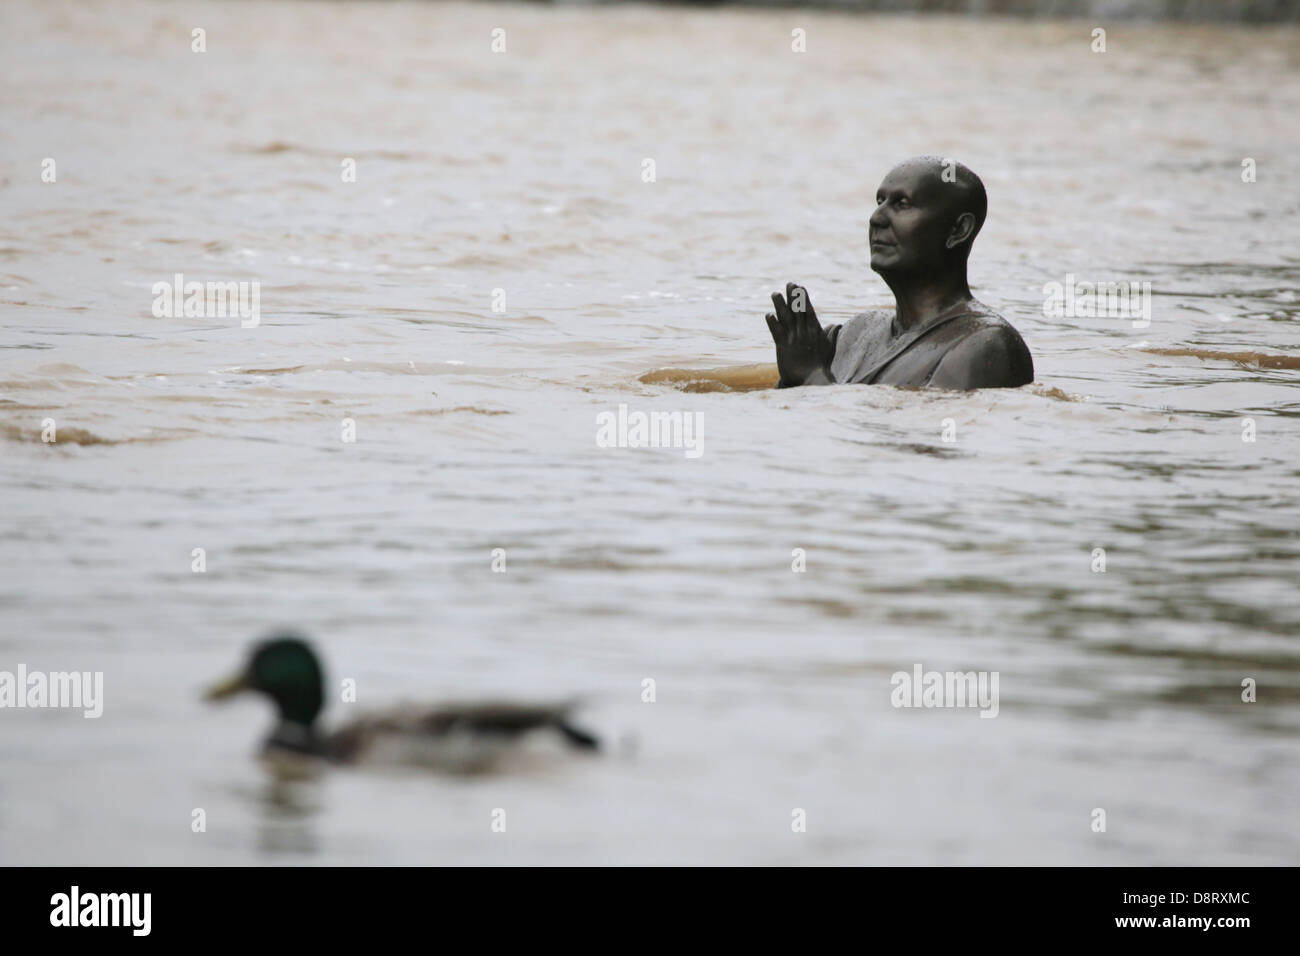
x=962 y=230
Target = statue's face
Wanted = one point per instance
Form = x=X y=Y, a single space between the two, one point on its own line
x=913 y=219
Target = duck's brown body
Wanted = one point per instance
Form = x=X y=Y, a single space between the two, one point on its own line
x=454 y=734
x=458 y=737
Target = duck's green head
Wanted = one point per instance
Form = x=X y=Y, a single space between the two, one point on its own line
x=286 y=669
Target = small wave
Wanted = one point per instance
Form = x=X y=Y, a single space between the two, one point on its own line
x=63 y=374
x=1051 y=391
x=71 y=435
x=1253 y=359
x=461 y=408
x=733 y=378
x=277 y=146
x=338 y=365
x=749 y=378
x=479 y=260
x=269 y=149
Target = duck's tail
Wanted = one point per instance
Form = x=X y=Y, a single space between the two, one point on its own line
x=576 y=736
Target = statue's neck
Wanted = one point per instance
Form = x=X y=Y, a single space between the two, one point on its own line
x=924 y=297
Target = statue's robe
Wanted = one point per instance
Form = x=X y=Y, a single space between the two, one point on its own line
x=973 y=349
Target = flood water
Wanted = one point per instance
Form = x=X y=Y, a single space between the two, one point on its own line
x=475 y=429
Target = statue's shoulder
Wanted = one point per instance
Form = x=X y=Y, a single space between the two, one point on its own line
x=984 y=324
x=982 y=316
x=985 y=351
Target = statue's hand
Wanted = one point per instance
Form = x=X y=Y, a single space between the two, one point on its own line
x=803 y=347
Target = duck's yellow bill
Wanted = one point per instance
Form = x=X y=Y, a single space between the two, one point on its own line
x=227 y=688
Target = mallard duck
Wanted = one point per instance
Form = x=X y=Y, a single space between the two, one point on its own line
x=460 y=737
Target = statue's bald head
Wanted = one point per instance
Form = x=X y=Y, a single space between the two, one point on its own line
x=929 y=209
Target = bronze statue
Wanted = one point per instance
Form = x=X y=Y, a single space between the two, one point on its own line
x=928 y=212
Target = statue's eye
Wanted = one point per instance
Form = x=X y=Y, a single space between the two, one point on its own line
x=902 y=202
